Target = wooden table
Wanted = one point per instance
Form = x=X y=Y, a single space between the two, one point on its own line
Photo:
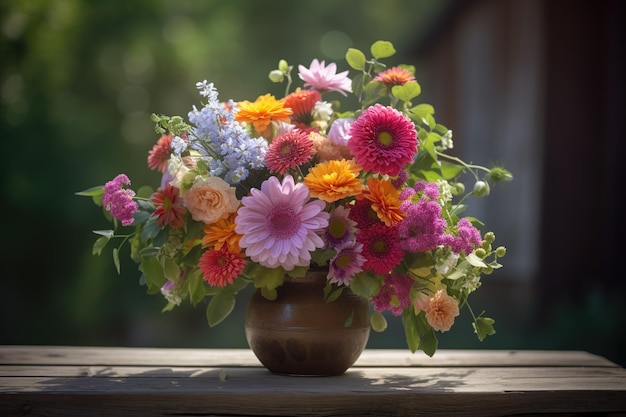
x=83 y=381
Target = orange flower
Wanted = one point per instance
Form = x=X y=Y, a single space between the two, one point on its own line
x=333 y=180
x=440 y=310
x=394 y=76
x=221 y=233
x=385 y=200
x=262 y=112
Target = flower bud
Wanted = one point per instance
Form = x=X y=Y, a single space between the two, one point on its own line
x=500 y=251
x=283 y=66
x=490 y=237
x=499 y=174
x=276 y=76
x=480 y=252
x=481 y=189
x=378 y=322
x=459 y=187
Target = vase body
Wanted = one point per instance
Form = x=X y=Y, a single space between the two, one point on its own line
x=301 y=334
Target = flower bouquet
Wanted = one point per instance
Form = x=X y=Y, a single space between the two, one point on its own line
x=253 y=190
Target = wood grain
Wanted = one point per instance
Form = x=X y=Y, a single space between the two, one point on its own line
x=83 y=381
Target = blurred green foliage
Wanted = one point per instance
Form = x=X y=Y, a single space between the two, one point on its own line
x=78 y=82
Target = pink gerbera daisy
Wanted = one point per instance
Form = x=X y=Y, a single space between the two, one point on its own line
x=325 y=78
x=380 y=248
x=383 y=140
x=220 y=267
x=279 y=225
x=288 y=150
x=159 y=155
x=169 y=208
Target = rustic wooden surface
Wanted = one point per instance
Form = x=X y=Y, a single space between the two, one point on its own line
x=84 y=381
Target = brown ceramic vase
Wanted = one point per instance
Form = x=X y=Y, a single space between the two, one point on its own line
x=301 y=334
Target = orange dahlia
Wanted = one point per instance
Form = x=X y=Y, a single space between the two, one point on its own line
x=262 y=112
x=385 y=200
x=333 y=180
x=221 y=233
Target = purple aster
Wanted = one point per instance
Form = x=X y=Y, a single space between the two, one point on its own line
x=422 y=229
x=325 y=78
x=341 y=231
x=468 y=238
x=279 y=225
x=346 y=264
x=119 y=201
x=394 y=295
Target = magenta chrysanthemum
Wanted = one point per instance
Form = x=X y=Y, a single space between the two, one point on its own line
x=289 y=150
x=325 y=78
x=363 y=214
x=119 y=201
x=279 y=225
x=383 y=140
x=380 y=248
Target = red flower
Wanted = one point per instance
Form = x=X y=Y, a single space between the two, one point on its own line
x=169 y=208
x=159 y=155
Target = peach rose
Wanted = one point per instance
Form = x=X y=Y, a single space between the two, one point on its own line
x=210 y=199
x=440 y=310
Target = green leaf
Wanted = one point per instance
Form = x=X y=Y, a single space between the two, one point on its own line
x=411 y=333
x=429 y=342
x=171 y=269
x=483 y=327
x=116 y=259
x=382 y=49
x=475 y=261
x=92 y=192
x=153 y=272
x=406 y=92
x=220 y=306
x=106 y=233
x=98 y=245
x=330 y=295
x=349 y=319
x=356 y=59
x=364 y=284
x=195 y=287
x=373 y=92
x=269 y=294
x=270 y=278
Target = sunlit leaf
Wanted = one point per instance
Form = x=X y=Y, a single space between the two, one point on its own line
x=382 y=49
x=356 y=59
x=220 y=306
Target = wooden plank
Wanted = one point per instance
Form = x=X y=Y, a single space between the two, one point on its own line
x=104 y=356
x=66 y=379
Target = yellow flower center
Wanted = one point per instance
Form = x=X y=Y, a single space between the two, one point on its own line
x=343 y=260
x=385 y=138
x=337 y=229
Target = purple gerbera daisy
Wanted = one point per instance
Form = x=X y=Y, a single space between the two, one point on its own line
x=325 y=78
x=383 y=140
x=346 y=264
x=279 y=225
x=341 y=231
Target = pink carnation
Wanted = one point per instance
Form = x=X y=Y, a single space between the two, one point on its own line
x=441 y=309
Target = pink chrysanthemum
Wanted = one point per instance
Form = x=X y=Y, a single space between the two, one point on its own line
x=383 y=140
x=380 y=248
x=325 y=78
x=394 y=295
x=346 y=264
x=119 y=201
x=159 y=155
x=288 y=150
x=169 y=208
x=221 y=267
x=279 y=225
